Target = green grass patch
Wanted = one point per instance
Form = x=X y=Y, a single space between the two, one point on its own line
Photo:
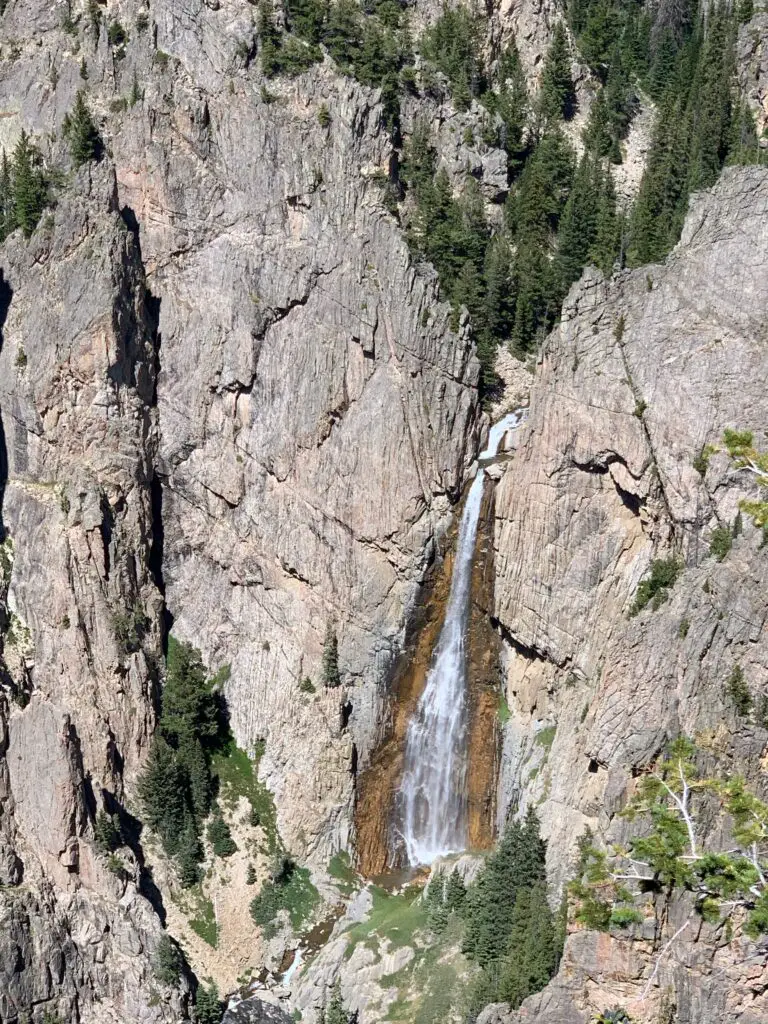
x=238 y=777
x=546 y=737
x=433 y=987
x=294 y=893
x=204 y=921
x=503 y=710
x=395 y=917
x=341 y=870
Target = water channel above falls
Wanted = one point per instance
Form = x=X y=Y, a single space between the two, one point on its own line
x=430 y=813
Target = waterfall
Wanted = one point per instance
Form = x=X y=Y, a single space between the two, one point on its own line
x=432 y=801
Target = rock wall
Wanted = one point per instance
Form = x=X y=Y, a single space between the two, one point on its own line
x=81 y=611
x=643 y=372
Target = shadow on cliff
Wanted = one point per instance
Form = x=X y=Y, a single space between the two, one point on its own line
x=152 y=321
x=6 y=294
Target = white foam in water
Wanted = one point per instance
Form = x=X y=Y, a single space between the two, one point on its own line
x=432 y=802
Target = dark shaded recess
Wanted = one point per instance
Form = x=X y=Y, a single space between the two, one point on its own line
x=599 y=466
x=105 y=527
x=130 y=833
x=152 y=304
x=346 y=714
x=353 y=762
x=6 y=294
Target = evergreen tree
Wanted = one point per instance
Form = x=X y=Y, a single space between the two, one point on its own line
x=167 y=961
x=192 y=756
x=744 y=147
x=209 y=1008
x=453 y=46
x=335 y=1012
x=220 y=837
x=27 y=185
x=532 y=953
x=558 y=95
x=330 y=671
x=190 y=708
x=7 y=206
x=189 y=853
x=512 y=104
x=269 y=39
x=709 y=106
x=455 y=891
x=517 y=864
x=81 y=132
x=578 y=226
x=162 y=790
x=605 y=248
x=106 y=832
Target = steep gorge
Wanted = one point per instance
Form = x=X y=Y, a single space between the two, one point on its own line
x=232 y=402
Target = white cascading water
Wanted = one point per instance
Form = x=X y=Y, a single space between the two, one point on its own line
x=432 y=801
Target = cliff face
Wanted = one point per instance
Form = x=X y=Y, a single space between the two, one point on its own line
x=228 y=400
x=643 y=372
x=81 y=611
x=230 y=403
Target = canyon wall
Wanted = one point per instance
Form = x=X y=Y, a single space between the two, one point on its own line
x=643 y=373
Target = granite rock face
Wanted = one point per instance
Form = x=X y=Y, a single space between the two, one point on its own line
x=642 y=374
x=228 y=399
x=80 y=607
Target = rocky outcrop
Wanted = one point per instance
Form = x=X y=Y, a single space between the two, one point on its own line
x=229 y=402
x=254 y=1011
x=643 y=372
x=82 y=611
x=752 y=69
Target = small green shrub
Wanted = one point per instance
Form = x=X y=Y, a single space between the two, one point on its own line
x=220 y=837
x=291 y=889
x=682 y=631
x=618 y=330
x=106 y=832
x=623 y=916
x=761 y=711
x=738 y=691
x=640 y=407
x=720 y=542
x=21 y=358
x=701 y=461
x=167 y=961
x=306 y=685
x=323 y=116
x=250 y=876
x=654 y=589
x=116 y=34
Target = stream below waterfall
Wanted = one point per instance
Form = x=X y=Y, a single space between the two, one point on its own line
x=431 y=807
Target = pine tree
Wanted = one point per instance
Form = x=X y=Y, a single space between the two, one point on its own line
x=335 y=1012
x=532 y=955
x=517 y=864
x=270 y=41
x=208 y=1007
x=167 y=961
x=330 y=671
x=81 y=132
x=27 y=185
x=512 y=104
x=7 y=207
x=192 y=757
x=190 y=708
x=162 y=790
x=605 y=248
x=189 y=853
x=558 y=95
x=455 y=891
x=578 y=225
